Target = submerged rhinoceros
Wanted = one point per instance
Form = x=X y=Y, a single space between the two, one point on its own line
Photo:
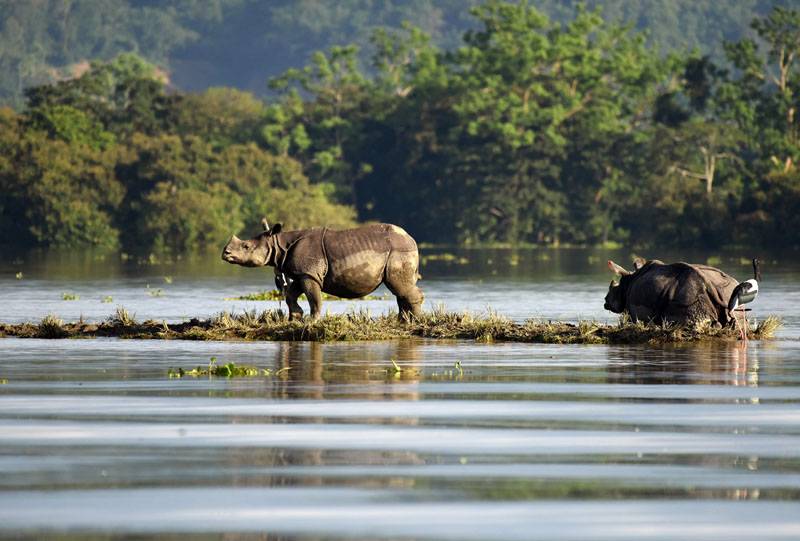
x=676 y=293
x=349 y=264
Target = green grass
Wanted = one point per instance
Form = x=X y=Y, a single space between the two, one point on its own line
x=360 y=325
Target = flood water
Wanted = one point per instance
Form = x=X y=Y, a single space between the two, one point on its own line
x=526 y=441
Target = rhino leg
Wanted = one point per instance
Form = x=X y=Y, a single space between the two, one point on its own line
x=313 y=293
x=292 y=292
x=401 y=279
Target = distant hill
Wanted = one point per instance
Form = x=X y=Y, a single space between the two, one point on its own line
x=241 y=43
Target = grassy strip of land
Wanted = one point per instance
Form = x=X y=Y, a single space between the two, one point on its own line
x=360 y=325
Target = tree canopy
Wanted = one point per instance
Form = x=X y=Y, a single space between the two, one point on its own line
x=531 y=129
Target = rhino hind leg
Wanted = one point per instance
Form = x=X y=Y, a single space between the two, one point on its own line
x=401 y=279
x=292 y=293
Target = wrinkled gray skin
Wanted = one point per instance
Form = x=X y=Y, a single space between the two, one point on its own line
x=675 y=293
x=349 y=264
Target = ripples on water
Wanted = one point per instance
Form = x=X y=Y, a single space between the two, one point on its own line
x=529 y=442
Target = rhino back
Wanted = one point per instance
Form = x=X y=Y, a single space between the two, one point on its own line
x=357 y=257
x=721 y=285
x=367 y=239
x=674 y=292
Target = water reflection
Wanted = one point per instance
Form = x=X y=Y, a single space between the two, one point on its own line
x=728 y=363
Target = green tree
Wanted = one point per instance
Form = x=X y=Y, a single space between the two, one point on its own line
x=63 y=194
x=221 y=116
x=541 y=104
x=186 y=193
x=125 y=95
x=330 y=119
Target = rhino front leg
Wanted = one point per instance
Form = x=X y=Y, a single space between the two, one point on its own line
x=292 y=293
x=313 y=293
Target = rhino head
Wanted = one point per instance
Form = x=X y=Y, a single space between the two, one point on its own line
x=615 y=298
x=253 y=252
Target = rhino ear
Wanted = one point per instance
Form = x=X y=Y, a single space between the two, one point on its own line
x=277 y=228
x=617 y=269
x=265 y=223
x=638 y=263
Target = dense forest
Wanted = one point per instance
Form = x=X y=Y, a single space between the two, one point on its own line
x=523 y=127
x=243 y=43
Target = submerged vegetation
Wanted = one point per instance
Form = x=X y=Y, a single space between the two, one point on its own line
x=360 y=325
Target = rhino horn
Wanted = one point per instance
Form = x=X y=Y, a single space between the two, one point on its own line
x=617 y=269
x=235 y=239
x=265 y=223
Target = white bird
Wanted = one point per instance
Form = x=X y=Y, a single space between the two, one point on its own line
x=745 y=293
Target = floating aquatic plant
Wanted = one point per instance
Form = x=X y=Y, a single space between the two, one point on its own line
x=227 y=370
x=155 y=292
x=445 y=257
x=69 y=297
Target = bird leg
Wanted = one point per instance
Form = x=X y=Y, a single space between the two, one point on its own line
x=746 y=326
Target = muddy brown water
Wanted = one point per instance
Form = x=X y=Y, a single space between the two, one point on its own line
x=524 y=442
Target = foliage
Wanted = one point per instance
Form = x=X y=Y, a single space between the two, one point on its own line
x=109 y=158
x=241 y=43
x=60 y=194
x=561 y=129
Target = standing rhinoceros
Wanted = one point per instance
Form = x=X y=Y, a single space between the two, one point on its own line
x=348 y=264
x=676 y=293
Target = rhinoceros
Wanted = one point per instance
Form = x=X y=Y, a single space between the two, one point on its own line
x=675 y=293
x=348 y=264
